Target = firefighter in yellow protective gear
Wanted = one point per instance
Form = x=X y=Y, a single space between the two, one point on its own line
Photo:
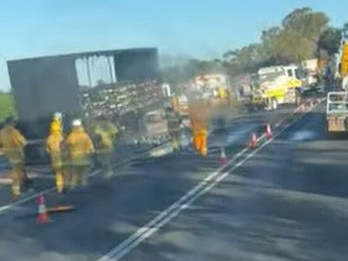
x=198 y=118
x=174 y=122
x=12 y=143
x=174 y=102
x=223 y=95
x=53 y=147
x=57 y=123
x=105 y=132
x=80 y=148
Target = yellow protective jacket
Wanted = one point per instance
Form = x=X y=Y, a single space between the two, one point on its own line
x=107 y=133
x=80 y=146
x=12 y=143
x=221 y=93
x=56 y=125
x=174 y=102
x=53 y=146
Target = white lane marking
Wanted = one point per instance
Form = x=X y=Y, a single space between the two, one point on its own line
x=181 y=200
x=236 y=135
x=5 y=208
x=303 y=135
x=175 y=205
x=200 y=189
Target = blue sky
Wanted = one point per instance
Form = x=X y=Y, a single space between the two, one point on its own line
x=204 y=28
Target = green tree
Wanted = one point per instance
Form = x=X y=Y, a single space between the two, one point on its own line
x=6 y=105
x=345 y=31
x=242 y=60
x=330 y=40
x=306 y=22
x=302 y=34
x=268 y=40
x=296 y=38
x=291 y=46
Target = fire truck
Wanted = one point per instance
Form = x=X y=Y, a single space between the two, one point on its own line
x=213 y=87
x=276 y=85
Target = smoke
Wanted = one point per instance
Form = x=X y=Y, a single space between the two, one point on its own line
x=167 y=60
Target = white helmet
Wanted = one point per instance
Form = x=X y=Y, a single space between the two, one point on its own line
x=57 y=115
x=77 y=123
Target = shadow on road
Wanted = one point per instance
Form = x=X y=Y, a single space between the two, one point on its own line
x=254 y=223
x=107 y=212
x=110 y=210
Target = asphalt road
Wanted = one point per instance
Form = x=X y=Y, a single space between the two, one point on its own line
x=288 y=202
x=269 y=206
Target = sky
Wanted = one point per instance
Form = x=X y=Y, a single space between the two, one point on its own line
x=180 y=28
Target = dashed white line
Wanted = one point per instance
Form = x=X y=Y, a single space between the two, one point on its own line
x=185 y=201
x=5 y=208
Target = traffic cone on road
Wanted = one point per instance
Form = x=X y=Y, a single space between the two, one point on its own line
x=223 y=157
x=253 y=141
x=42 y=211
x=268 y=132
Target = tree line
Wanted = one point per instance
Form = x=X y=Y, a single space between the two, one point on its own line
x=7 y=107
x=303 y=34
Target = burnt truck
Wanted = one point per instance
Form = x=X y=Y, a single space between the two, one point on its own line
x=127 y=94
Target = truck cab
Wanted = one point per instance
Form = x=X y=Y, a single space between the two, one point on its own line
x=277 y=85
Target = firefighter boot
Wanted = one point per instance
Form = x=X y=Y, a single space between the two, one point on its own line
x=82 y=176
x=175 y=144
x=74 y=179
x=59 y=181
x=15 y=186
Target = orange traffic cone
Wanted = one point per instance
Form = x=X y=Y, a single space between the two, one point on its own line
x=223 y=157
x=253 y=141
x=268 y=132
x=42 y=211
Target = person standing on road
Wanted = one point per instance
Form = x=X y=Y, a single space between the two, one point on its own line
x=53 y=147
x=174 y=121
x=80 y=148
x=199 y=127
x=105 y=133
x=57 y=122
x=12 y=143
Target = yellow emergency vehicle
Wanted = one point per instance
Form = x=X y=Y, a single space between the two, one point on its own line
x=214 y=86
x=276 y=85
x=344 y=61
x=180 y=104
